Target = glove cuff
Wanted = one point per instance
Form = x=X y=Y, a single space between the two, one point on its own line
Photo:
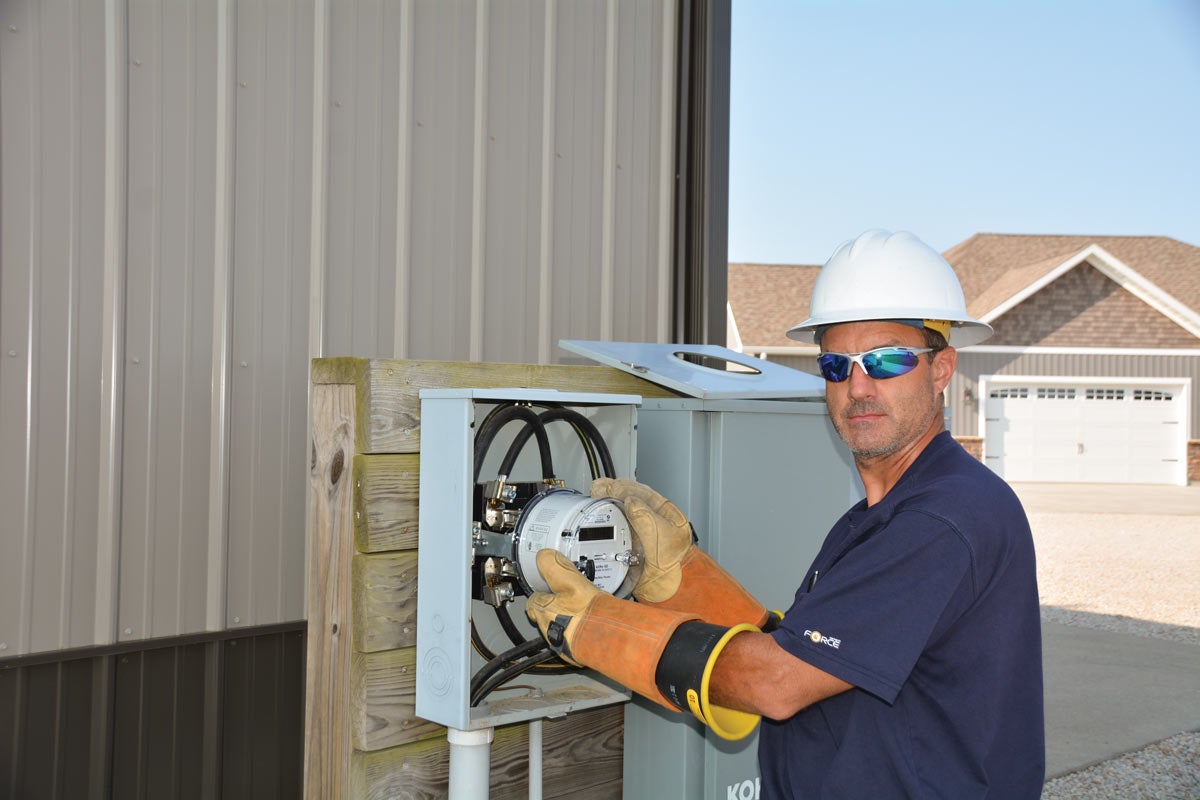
x=684 y=671
x=707 y=589
x=625 y=641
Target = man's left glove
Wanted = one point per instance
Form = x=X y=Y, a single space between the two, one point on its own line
x=664 y=655
x=677 y=574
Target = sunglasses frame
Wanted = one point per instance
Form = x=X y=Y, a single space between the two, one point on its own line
x=857 y=358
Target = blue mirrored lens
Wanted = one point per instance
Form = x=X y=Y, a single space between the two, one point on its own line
x=888 y=363
x=835 y=367
x=884 y=362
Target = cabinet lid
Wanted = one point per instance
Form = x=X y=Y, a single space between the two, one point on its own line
x=706 y=371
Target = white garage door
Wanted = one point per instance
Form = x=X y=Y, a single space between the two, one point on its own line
x=1086 y=431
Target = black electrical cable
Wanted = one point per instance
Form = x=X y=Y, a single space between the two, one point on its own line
x=518 y=442
x=491 y=425
x=589 y=437
x=510 y=627
x=494 y=422
x=488 y=653
x=514 y=634
x=504 y=667
x=580 y=425
x=528 y=665
x=498 y=662
x=601 y=446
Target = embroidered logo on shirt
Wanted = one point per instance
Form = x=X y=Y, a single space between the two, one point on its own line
x=818 y=638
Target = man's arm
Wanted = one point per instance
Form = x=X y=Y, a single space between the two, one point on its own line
x=753 y=673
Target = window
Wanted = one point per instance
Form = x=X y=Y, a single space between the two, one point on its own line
x=1105 y=394
x=1055 y=393
x=1151 y=394
x=1021 y=392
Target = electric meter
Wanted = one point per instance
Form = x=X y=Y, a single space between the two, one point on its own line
x=592 y=532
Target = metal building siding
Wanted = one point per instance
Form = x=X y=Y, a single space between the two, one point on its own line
x=197 y=198
x=217 y=718
x=51 y=177
x=270 y=212
x=168 y=320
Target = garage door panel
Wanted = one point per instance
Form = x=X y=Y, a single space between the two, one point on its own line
x=1085 y=431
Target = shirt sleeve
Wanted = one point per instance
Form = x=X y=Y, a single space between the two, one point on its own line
x=869 y=617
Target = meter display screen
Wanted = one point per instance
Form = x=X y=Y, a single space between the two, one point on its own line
x=597 y=534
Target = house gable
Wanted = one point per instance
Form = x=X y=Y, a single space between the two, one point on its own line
x=1084 y=307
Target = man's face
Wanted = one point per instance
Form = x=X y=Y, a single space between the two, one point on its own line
x=876 y=418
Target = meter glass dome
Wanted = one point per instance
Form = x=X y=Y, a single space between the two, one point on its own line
x=593 y=532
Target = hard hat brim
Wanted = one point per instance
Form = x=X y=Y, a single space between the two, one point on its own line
x=964 y=332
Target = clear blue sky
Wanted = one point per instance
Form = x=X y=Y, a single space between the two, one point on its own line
x=960 y=117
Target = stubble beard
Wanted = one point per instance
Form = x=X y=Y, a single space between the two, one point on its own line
x=913 y=417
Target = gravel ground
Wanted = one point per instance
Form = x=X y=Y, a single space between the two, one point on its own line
x=1133 y=574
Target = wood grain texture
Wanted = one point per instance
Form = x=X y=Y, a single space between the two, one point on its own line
x=386 y=490
x=384 y=601
x=327 y=688
x=389 y=405
x=419 y=771
x=383 y=700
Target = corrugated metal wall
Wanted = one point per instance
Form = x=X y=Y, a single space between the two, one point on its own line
x=222 y=717
x=195 y=198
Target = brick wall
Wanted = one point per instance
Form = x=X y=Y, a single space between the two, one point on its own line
x=974 y=446
x=1086 y=308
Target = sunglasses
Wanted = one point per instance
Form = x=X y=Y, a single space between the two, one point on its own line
x=880 y=363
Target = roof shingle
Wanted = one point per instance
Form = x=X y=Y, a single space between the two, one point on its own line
x=767 y=299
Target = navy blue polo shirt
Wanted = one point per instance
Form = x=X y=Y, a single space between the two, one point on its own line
x=927 y=603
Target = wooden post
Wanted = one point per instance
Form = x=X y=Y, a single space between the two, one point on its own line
x=327 y=693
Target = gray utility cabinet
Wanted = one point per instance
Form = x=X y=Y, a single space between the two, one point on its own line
x=762 y=479
x=762 y=482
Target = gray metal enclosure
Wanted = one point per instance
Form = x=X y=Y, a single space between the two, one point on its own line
x=196 y=198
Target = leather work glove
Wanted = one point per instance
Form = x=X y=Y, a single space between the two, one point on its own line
x=664 y=532
x=662 y=654
x=676 y=574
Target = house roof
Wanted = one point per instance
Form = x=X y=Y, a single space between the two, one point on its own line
x=996 y=272
x=767 y=299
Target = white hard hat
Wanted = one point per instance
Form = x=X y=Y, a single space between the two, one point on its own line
x=889 y=276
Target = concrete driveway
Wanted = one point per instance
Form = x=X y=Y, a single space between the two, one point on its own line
x=1109 y=692
x=1109 y=498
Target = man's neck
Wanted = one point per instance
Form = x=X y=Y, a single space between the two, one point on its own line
x=880 y=473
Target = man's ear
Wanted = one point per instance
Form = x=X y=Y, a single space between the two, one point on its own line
x=945 y=361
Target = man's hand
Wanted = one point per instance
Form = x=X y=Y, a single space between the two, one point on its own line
x=676 y=573
x=662 y=529
x=570 y=598
x=663 y=654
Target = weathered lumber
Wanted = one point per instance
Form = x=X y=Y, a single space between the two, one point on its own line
x=384 y=601
x=327 y=689
x=421 y=769
x=383 y=700
x=389 y=405
x=386 y=488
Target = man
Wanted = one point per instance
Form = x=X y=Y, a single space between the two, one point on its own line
x=909 y=664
